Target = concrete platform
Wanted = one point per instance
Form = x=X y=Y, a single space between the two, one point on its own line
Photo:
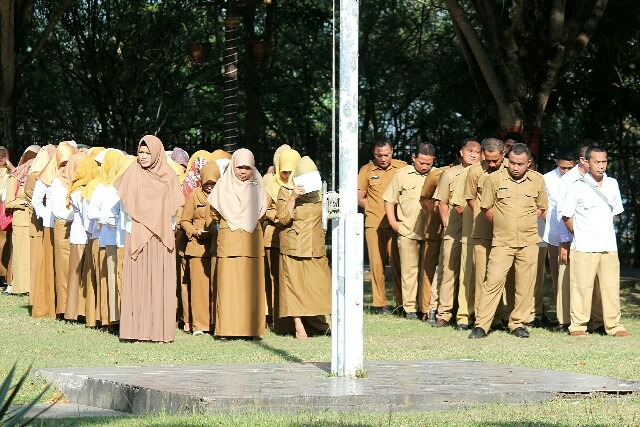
x=293 y=387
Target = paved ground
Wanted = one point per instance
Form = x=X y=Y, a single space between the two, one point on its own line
x=292 y=387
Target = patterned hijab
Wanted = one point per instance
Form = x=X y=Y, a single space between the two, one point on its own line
x=193 y=179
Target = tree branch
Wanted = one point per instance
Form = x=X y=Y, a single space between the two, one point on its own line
x=556 y=21
x=482 y=58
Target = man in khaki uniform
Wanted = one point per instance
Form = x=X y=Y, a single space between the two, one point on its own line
x=452 y=223
x=373 y=179
x=466 y=288
x=428 y=288
x=513 y=199
x=493 y=160
x=406 y=217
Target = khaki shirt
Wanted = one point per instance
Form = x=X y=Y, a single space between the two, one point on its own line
x=303 y=235
x=433 y=222
x=473 y=189
x=238 y=243
x=514 y=203
x=447 y=184
x=375 y=181
x=197 y=214
x=404 y=192
x=271 y=225
x=457 y=199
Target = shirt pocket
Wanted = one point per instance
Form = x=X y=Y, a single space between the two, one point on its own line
x=503 y=194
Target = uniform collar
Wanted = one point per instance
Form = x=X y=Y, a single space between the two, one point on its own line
x=376 y=167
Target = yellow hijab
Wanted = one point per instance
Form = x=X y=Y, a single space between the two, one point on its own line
x=86 y=171
x=285 y=161
x=304 y=166
x=107 y=175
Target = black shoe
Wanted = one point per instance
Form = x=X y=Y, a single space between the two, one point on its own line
x=222 y=339
x=462 y=327
x=600 y=330
x=520 y=332
x=379 y=310
x=431 y=317
x=546 y=322
x=411 y=315
x=498 y=327
x=563 y=329
x=477 y=333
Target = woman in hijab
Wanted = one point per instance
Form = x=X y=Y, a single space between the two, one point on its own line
x=190 y=183
x=151 y=195
x=78 y=238
x=240 y=201
x=222 y=159
x=60 y=184
x=16 y=201
x=41 y=233
x=200 y=228
x=305 y=277
x=104 y=209
x=5 y=245
x=285 y=161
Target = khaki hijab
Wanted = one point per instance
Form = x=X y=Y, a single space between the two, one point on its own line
x=241 y=203
x=285 y=161
x=304 y=166
x=67 y=172
x=151 y=196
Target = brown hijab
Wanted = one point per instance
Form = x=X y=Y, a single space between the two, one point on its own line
x=67 y=172
x=151 y=196
x=241 y=203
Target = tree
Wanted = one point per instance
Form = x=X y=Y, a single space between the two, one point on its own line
x=518 y=50
x=17 y=54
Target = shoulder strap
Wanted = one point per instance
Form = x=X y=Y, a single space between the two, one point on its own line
x=597 y=191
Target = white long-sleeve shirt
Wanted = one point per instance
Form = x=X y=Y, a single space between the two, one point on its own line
x=59 y=201
x=105 y=210
x=78 y=234
x=41 y=200
x=554 y=226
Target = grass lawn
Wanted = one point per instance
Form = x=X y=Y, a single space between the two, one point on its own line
x=48 y=343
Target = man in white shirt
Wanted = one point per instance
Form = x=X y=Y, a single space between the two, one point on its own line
x=589 y=210
x=554 y=226
x=566 y=239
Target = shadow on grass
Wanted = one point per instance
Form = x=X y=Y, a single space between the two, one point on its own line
x=278 y=352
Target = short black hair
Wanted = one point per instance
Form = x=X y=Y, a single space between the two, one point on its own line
x=382 y=141
x=568 y=155
x=517 y=137
x=584 y=145
x=426 y=149
x=520 y=148
x=491 y=145
x=594 y=149
x=465 y=141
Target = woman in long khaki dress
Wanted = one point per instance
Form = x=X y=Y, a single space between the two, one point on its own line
x=16 y=202
x=240 y=201
x=285 y=160
x=151 y=196
x=77 y=286
x=5 y=245
x=41 y=234
x=35 y=228
x=305 y=277
x=200 y=228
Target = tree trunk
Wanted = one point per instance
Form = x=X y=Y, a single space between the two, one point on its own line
x=230 y=62
x=7 y=71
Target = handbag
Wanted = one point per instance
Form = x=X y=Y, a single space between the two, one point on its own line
x=6 y=215
x=6 y=218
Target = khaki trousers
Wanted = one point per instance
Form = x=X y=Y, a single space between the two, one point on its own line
x=501 y=260
x=44 y=303
x=428 y=285
x=201 y=293
x=271 y=274
x=61 y=247
x=537 y=310
x=466 y=289
x=410 y=253
x=75 y=299
x=450 y=270
x=182 y=290
x=20 y=244
x=586 y=267
x=382 y=243
x=563 y=298
x=481 y=252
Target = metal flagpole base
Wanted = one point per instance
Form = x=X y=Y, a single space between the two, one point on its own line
x=347 y=334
